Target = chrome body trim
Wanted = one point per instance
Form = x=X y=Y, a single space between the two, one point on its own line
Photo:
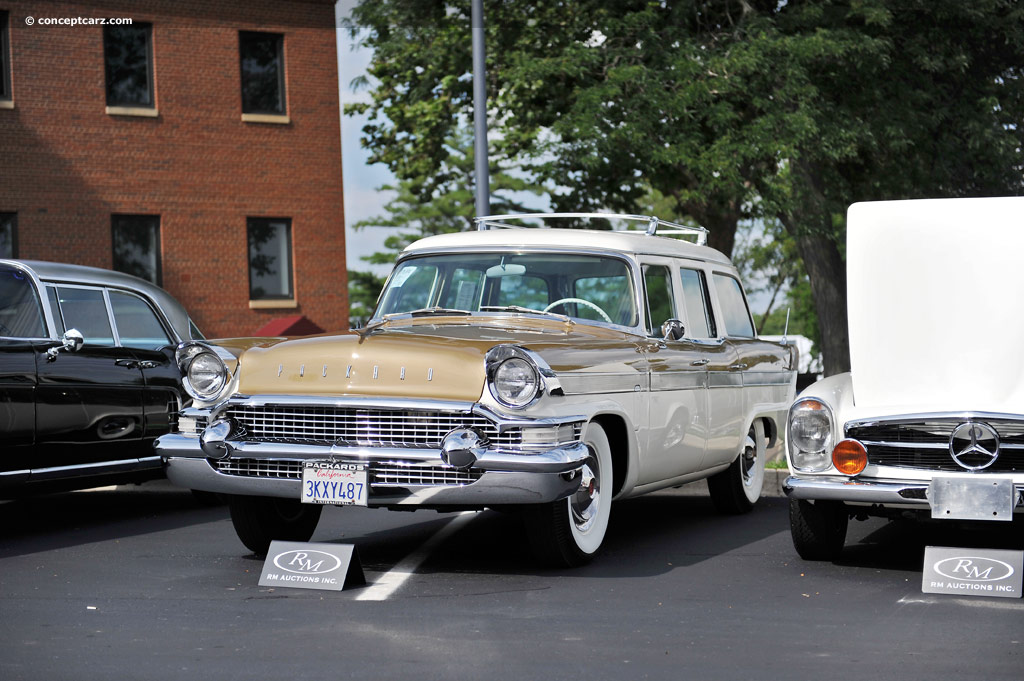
x=722 y=379
x=856 y=491
x=504 y=478
x=122 y=466
x=678 y=380
x=590 y=383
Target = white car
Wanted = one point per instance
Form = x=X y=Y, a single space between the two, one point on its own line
x=544 y=371
x=930 y=419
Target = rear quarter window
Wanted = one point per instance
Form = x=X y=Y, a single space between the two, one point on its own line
x=735 y=314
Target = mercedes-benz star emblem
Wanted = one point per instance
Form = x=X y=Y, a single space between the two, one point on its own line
x=974 y=446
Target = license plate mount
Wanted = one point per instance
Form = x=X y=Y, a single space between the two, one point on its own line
x=334 y=483
x=963 y=498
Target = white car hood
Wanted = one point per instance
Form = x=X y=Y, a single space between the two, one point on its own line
x=935 y=313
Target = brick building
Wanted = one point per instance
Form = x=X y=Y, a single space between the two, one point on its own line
x=198 y=146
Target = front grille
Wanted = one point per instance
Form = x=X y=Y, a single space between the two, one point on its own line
x=348 y=426
x=381 y=474
x=925 y=445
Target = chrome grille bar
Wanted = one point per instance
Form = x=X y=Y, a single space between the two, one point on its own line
x=348 y=426
x=382 y=474
x=925 y=444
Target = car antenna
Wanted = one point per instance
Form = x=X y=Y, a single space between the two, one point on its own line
x=785 y=331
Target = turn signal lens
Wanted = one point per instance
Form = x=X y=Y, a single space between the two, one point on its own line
x=849 y=457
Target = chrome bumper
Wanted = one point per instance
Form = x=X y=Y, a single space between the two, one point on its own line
x=904 y=494
x=504 y=478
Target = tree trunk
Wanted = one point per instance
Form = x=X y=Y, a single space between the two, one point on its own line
x=827 y=273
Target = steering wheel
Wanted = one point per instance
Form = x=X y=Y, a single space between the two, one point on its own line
x=580 y=301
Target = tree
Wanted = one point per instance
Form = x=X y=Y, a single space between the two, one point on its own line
x=733 y=109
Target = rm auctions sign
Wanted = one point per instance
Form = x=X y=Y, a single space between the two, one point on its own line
x=972 y=572
x=302 y=565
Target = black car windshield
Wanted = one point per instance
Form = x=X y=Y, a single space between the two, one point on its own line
x=583 y=287
x=21 y=315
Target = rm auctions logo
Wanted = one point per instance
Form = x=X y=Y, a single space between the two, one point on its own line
x=973 y=569
x=307 y=562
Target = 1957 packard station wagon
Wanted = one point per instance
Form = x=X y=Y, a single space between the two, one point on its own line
x=542 y=370
x=930 y=419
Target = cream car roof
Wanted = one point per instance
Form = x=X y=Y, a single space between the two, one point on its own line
x=636 y=243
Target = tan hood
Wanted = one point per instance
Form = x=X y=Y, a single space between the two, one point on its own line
x=384 y=365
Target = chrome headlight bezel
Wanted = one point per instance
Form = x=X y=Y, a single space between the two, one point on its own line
x=810 y=455
x=192 y=357
x=535 y=373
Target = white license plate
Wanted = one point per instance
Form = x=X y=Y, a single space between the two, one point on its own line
x=341 y=484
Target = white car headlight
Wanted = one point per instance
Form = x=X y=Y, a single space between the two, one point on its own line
x=515 y=382
x=810 y=435
x=206 y=376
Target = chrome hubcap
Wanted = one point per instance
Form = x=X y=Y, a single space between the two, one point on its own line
x=748 y=460
x=584 y=504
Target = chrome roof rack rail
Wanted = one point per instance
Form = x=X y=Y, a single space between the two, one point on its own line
x=653 y=223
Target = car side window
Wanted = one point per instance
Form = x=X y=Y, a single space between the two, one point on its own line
x=137 y=324
x=86 y=310
x=734 y=307
x=658 y=283
x=699 y=321
x=21 y=314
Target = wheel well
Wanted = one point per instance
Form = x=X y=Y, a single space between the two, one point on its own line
x=618 y=439
x=771 y=431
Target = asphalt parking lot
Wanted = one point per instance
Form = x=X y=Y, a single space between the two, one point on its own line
x=145 y=582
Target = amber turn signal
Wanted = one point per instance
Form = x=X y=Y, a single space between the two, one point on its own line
x=849 y=457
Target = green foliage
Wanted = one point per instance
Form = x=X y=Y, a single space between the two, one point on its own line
x=726 y=110
x=363 y=290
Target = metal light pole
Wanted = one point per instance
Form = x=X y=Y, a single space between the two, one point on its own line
x=483 y=182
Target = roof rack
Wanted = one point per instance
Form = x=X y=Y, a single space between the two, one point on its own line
x=653 y=223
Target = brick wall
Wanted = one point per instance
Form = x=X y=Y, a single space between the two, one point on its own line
x=66 y=165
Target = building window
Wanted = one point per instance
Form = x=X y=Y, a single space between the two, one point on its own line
x=5 y=57
x=136 y=245
x=262 y=60
x=270 y=259
x=128 y=56
x=8 y=235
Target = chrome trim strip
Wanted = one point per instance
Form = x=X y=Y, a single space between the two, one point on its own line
x=909 y=445
x=590 y=383
x=554 y=460
x=14 y=473
x=113 y=466
x=678 y=380
x=831 y=488
x=933 y=416
x=722 y=379
x=493 y=488
x=755 y=378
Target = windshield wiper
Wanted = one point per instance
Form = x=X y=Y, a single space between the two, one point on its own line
x=527 y=310
x=429 y=311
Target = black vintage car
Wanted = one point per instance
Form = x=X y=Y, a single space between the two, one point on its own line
x=87 y=376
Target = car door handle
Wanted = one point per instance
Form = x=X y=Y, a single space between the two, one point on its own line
x=738 y=367
x=699 y=362
x=127 y=363
x=148 y=364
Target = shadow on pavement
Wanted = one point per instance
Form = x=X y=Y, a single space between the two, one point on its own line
x=647 y=536
x=55 y=521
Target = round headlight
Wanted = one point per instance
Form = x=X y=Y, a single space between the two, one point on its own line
x=810 y=435
x=207 y=375
x=515 y=382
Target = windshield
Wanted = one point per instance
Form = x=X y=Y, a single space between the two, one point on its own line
x=586 y=287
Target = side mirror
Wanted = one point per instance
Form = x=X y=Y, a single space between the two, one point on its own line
x=673 y=329
x=72 y=341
